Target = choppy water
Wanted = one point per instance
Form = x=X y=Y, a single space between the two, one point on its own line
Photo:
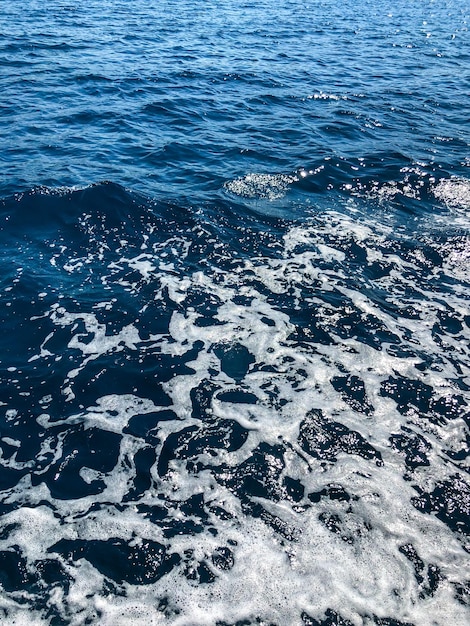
x=234 y=265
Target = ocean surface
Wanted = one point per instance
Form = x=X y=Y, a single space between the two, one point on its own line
x=235 y=312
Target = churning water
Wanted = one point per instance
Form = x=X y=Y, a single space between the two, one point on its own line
x=234 y=272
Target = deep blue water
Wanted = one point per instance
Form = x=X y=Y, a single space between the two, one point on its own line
x=234 y=273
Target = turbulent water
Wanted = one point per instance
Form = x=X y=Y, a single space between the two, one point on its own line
x=235 y=348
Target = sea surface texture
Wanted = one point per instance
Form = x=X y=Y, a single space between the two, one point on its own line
x=235 y=312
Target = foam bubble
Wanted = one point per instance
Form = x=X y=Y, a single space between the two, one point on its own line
x=455 y=192
x=268 y=186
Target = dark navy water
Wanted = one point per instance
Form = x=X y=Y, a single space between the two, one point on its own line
x=235 y=312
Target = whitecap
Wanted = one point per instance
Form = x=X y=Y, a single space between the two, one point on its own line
x=263 y=186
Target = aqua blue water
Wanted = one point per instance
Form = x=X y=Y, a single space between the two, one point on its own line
x=234 y=278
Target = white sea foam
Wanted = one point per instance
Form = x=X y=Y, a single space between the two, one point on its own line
x=257 y=185
x=358 y=571
x=455 y=192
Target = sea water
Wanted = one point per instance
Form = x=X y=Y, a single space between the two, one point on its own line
x=235 y=315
